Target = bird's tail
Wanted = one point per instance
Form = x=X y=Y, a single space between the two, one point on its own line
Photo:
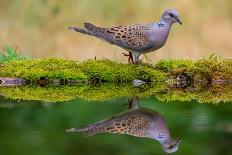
x=91 y=29
x=87 y=131
x=80 y=29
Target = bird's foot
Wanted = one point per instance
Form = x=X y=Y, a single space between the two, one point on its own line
x=138 y=62
x=129 y=102
x=130 y=57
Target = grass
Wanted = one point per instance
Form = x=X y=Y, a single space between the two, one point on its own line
x=10 y=54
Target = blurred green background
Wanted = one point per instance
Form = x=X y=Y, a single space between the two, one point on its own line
x=38 y=27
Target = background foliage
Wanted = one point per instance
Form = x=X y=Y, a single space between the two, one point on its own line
x=38 y=27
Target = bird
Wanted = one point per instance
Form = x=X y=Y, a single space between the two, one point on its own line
x=137 y=39
x=138 y=122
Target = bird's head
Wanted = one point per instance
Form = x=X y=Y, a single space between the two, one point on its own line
x=171 y=146
x=171 y=16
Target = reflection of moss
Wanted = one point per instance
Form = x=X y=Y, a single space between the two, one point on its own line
x=216 y=93
x=65 y=93
x=213 y=94
x=47 y=94
x=107 y=91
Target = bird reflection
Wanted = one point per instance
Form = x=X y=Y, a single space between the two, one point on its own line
x=137 y=121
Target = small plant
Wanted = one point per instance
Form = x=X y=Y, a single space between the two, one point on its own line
x=10 y=54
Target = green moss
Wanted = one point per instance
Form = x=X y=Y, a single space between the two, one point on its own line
x=49 y=68
x=65 y=93
x=174 y=65
x=106 y=70
x=46 y=94
x=107 y=91
x=214 y=68
x=214 y=94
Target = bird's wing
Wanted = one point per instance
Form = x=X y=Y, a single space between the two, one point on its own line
x=132 y=123
x=134 y=37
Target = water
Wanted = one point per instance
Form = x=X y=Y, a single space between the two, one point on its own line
x=38 y=127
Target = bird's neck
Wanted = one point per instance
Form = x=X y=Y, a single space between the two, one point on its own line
x=166 y=23
x=163 y=140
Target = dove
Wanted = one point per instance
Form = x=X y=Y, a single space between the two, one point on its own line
x=138 y=122
x=137 y=39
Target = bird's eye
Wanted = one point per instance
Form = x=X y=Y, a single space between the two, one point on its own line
x=171 y=15
x=170 y=147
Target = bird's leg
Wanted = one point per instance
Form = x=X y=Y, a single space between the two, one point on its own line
x=130 y=57
x=136 y=55
x=134 y=100
x=137 y=102
x=130 y=102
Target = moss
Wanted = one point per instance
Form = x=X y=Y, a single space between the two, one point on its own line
x=216 y=93
x=214 y=68
x=108 y=91
x=49 y=68
x=46 y=94
x=163 y=80
x=66 y=93
x=174 y=65
x=109 y=71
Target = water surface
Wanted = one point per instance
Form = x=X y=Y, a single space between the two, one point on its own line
x=34 y=127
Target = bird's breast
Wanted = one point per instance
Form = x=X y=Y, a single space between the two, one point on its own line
x=159 y=37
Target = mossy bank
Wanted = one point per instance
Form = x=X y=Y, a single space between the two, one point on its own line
x=208 y=69
x=206 y=80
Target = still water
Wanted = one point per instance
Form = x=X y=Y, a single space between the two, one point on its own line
x=38 y=128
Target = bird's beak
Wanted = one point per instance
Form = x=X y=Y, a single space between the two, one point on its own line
x=179 y=21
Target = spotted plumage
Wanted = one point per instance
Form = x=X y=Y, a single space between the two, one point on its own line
x=134 y=123
x=137 y=38
x=138 y=122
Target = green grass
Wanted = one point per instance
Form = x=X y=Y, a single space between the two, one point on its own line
x=10 y=54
